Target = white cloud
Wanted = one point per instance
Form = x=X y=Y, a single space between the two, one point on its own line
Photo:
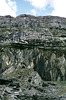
x=38 y=3
x=12 y=4
x=59 y=8
x=8 y=8
x=33 y=12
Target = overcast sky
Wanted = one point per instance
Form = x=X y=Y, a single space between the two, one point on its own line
x=33 y=7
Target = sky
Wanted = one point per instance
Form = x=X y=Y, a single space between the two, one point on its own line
x=33 y=7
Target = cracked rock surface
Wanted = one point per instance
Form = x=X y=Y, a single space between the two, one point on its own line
x=32 y=58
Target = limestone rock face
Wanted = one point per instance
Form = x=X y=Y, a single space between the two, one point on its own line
x=32 y=51
x=28 y=31
x=35 y=42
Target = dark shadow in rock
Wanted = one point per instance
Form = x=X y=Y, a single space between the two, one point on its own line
x=5 y=81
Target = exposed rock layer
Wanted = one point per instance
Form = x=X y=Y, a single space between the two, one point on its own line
x=27 y=43
x=38 y=42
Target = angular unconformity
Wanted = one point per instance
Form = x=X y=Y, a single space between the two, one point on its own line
x=34 y=42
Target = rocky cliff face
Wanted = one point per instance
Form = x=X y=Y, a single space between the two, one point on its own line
x=32 y=44
x=35 y=42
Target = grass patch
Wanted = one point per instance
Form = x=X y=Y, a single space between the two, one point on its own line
x=25 y=72
x=63 y=83
x=62 y=91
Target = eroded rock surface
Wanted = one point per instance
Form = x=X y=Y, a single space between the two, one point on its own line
x=32 y=49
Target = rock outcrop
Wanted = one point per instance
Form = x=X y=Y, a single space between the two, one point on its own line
x=37 y=42
x=32 y=49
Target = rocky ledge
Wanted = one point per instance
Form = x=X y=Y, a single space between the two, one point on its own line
x=28 y=31
x=32 y=58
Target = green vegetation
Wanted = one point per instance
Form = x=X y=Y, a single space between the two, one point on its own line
x=62 y=83
x=25 y=72
x=62 y=91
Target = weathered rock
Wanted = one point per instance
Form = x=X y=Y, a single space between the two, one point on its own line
x=51 y=65
x=21 y=39
x=32 y=49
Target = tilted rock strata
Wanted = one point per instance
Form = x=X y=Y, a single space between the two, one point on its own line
x=51 y=65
